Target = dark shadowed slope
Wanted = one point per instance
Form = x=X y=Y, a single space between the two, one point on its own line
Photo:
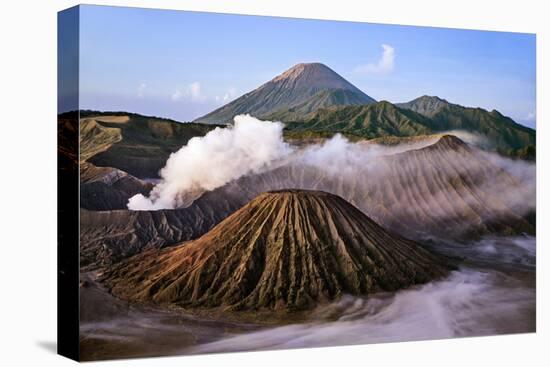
x=304 y=87
x=67 y=146
x=107 y=188
x=109 y=236
x=285 y=250
x=136 y=144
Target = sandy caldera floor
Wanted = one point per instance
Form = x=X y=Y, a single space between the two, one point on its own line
x=492 y=293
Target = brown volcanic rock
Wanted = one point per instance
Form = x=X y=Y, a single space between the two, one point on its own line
x=109 y=236
x=285 y=250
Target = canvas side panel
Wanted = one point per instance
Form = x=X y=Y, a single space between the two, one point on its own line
x=67 y=183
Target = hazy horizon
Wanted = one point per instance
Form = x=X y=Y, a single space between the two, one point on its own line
x=182 y=65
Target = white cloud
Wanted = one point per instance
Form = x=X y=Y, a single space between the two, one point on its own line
x=141 y=89
x=192 y=92
x=384 y=66
x=177 y=95
x=227 y=97
x=531 y=116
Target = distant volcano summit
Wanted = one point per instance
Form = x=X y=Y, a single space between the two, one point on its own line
x=300 y=90
x=284 y=250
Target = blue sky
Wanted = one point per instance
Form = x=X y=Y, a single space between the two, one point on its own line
x=184 y=64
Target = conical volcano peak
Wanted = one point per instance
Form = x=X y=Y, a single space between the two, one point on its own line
x=452 y=142
x=314 y=75
x=298 y=69
x=284 y=250
x=304 y=88
x=312 y=68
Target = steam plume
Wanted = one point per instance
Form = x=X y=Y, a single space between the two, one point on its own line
x=208 y=162
x=359 y=172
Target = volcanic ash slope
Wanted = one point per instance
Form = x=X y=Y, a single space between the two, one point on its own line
x=285 y=250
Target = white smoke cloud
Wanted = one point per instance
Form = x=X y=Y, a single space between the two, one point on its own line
x=141 y=90
x=336 y=156
x=227 y=97
x=471 y=138
x=176 y=96
x=352 y=170
x=222 y=155
x=342 y=158
x=193 y=92
x=384 y=66
x=521 y=199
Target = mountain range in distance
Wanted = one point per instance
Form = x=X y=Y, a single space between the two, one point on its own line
x=314 y=101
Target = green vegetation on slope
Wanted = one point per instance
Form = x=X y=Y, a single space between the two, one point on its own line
x=435 y=116
x=502 y=131
x=322 y=99
x=370 y=121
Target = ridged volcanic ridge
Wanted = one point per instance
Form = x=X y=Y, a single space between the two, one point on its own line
x=284 y=250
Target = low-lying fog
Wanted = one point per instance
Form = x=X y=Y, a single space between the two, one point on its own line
x=493 y=294
x=473 y=301
x=467 y=303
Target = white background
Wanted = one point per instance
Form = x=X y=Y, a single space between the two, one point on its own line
x=28 y=181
